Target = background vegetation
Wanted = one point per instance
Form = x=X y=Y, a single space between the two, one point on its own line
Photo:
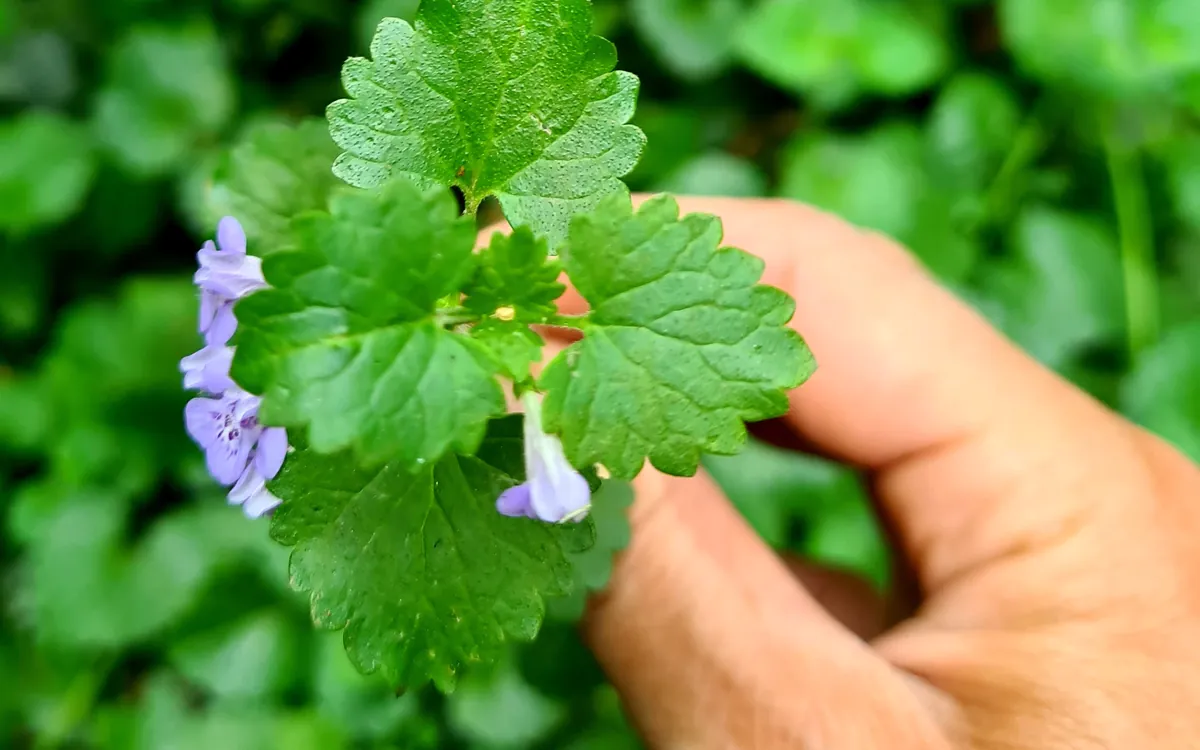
x=1042 y=157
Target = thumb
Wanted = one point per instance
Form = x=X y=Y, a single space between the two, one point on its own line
x=712 y=643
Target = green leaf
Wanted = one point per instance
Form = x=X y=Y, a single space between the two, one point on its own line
x=833 y=50
x=165 y=719
x=89 y=590
x=1182 y=164
x=374 y=11
x=593 y=566
x=529 y=111
x=254 y=659
x=513 y=271
x=46 y=166
x=971 y=127
x=513 y=346
x=716 y=173
x=347 y=342
x=364 y=706
x=771 y=487
x=276 y=171
x=1109 y=48
x=1162 y=392
x=1060 y=291
x=502 y=710
x=420 y=569
x=166 y=89
x=691 y=38
x=681 y=346
x=879 y=181
x=849 y=537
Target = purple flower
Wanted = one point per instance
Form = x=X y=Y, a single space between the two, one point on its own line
x=553 y=491
x=238 y=450
x=226 y=274
x=227 y=429
x=208 y=369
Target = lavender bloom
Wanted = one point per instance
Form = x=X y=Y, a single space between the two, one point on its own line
x=553 y=490
x=227 y=429
x=208 y=369
x=238 y=450
x=226 y=274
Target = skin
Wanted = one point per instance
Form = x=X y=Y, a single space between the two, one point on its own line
x=1053 y=547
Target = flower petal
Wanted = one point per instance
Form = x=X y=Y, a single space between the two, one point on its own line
x=222 y=326
x=260 y=503
x=231 y=238
x=203 y=418
x=247 y=484
x=209 y=303
x=228 y=455
x=554 y=498
x=514 y=502
x=272 y=448
x=208 y=369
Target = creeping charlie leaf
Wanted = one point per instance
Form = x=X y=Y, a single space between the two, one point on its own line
x=517 y=100
x=514 y=272
x=348 y=339
x=681 y=346
x=419 y=568
x=274 y=172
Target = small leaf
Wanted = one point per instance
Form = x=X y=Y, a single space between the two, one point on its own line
x=879 y=180
x=832 y=50
x=513 y=271
x=422 y=572
x=502 y=710
x=253 y=659
x=971 y=127
x=275 y=171
x=531 y=112
x=512 y=344
x=681 y=346
x=593 y=566
x=1162 y=392
x=1060 y=290
x=691 y=38
x=346 y=340
x=46 y=166
x=1110 y=48
x=166 y=89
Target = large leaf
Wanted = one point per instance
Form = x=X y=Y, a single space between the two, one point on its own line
x=682 y=344
x=833 y=50
x=1162 y=392
x=529 y=111
x=276 y=171
x=691 y=38
x=1113 y=48
x=347 y=340
x=166 y=89
x=420 y=569
x=46 y=167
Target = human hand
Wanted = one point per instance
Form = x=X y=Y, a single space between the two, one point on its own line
x=1056 y=546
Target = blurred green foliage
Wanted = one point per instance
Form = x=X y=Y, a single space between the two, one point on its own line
x=1043 y=158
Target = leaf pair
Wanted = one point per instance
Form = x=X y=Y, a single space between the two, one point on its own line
x=682 y=344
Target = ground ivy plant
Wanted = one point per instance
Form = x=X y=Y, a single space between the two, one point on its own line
x=363 y=348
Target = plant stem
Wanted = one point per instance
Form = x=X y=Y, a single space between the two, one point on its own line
x=1027 y=145
x=578 y=322
x=76 y=704
x=453 y=316
x=1137 y=245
